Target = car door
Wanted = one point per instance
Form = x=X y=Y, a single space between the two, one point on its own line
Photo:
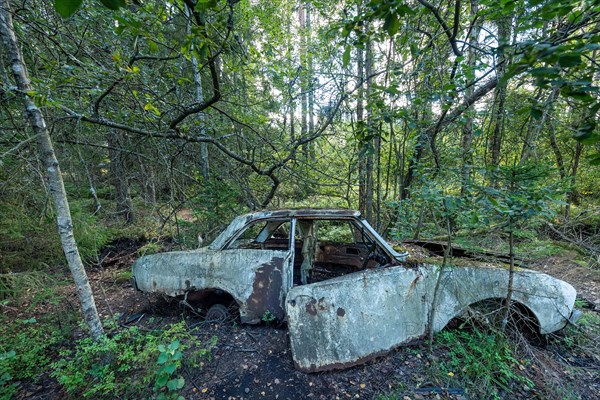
x=346 y=320
x=263 y=254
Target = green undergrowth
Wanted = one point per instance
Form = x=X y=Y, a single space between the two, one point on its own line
x=527 y=245
x=483 y=362
x=28 y=347
x=126 y=363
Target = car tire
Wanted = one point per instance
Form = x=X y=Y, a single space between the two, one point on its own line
x=217 y=313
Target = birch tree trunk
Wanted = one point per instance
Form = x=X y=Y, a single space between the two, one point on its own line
x=53 y=174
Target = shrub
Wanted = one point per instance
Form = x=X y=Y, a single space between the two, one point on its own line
x=483 y=361
x=26 y=350
x=128 y=363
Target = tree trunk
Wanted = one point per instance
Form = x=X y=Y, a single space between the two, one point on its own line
x=310 y=83
x=303 y=76
x=370 y=144
x=119 y=177
x=467 y=131
x=199 y=98
x=504 y=29
x=53 y=174
x=572 y=195
x=360 y=126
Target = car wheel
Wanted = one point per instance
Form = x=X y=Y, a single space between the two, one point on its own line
x=217 y=313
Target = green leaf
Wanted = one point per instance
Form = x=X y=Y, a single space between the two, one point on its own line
x=536 y=113
x=391 y=24
x=66 y=8
x=174 y=346
x=162 y=358
x=170 y=368
x=113 y=4
x=449 y=87
x=175 y=384
x=204 y=5
x=587 y=136
x=346 y=56
x=594 y=159
x=152 y=46
x=161 y=381
x=545 y=72
x=569 y=60
x=150 y=107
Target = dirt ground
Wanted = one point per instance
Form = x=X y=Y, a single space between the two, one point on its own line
x=255 y=362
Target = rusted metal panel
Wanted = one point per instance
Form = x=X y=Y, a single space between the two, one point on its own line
x=347 y=320
x=267 y=292
x=254 y=278
x=343 y=321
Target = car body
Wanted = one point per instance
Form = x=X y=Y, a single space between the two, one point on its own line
x=346 y=294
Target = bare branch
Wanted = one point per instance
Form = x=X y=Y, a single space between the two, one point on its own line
x=451 y=36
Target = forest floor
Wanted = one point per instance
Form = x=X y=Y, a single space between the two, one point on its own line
x=255 y=362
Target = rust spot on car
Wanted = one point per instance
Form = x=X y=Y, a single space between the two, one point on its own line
x=341 y=312
x=266 y=293
x=311 y=307
x=314 y=306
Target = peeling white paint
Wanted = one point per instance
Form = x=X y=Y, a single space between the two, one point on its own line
x=393 y=307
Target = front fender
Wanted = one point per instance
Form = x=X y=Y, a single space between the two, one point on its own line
x=549 y=299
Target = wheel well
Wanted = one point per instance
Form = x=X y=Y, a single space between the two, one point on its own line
x=490 y=312
x=206 y=298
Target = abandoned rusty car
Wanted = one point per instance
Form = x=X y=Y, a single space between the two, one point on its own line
x=346 y=294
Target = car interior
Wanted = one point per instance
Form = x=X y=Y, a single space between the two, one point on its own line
x=324 y=248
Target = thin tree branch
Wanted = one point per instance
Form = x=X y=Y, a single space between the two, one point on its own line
x=451 y=37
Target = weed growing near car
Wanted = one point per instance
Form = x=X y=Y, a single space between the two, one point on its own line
x=483 y=362
x=128 y=363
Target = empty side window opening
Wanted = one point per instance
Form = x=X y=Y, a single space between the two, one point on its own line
x=329 y=248
x=270 y=235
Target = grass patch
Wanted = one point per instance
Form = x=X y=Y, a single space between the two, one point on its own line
x=482 y=362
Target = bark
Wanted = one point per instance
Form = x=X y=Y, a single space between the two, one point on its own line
x=533 y=130
x=149 y=184
x=97 y=205
x=303 y=73
x=310 y=80
x=572 y=195
x=204 y=166
x=53 y=173
x=119 y=177
x=370 y=145
x=467 y=131
x=360 y=122
x=557 y=154
x=504 y=29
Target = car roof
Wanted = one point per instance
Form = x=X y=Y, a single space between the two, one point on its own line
x=303 y=213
